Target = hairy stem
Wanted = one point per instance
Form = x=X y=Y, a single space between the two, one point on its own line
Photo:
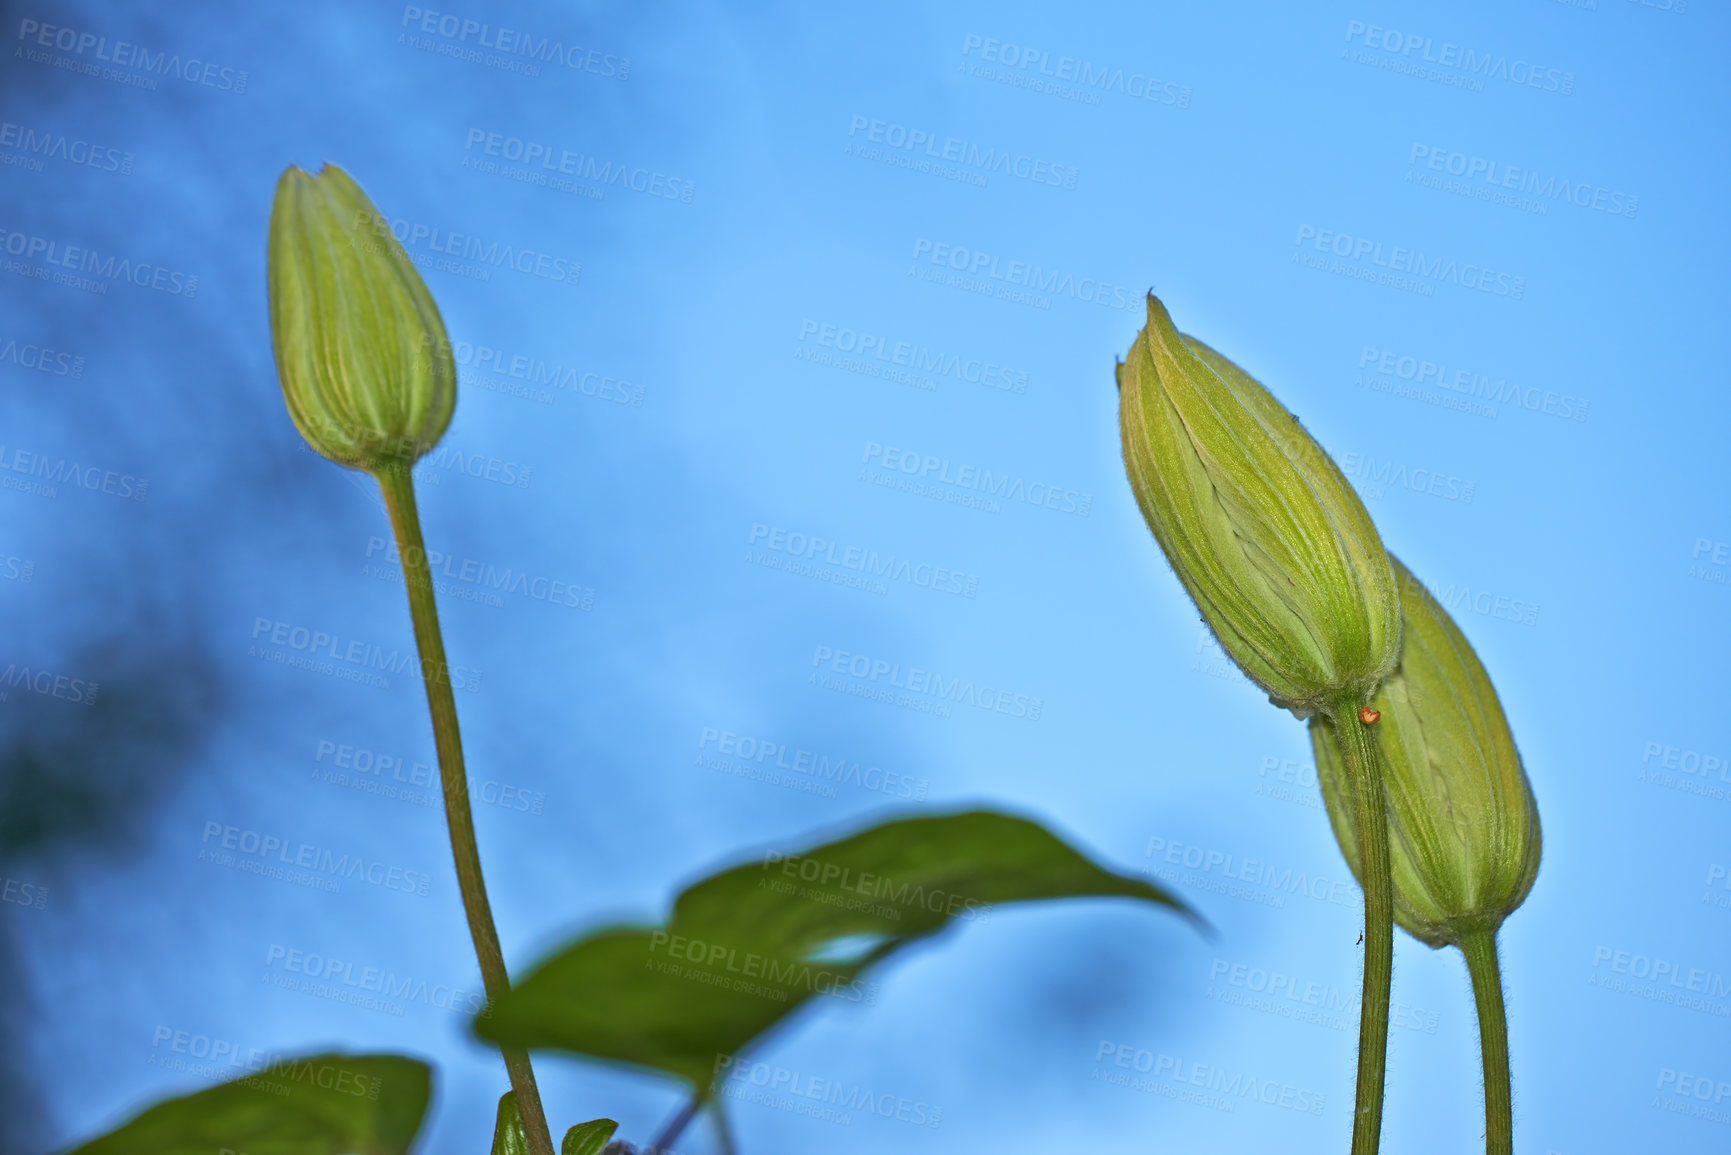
x=1480 y=947
x=399 y=490
x=1364 y=766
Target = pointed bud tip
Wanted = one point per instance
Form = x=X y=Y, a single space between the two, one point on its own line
x=1257 y=521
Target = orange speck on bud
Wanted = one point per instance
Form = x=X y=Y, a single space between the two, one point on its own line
x=1368 y=716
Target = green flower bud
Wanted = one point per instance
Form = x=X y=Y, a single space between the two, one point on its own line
x=365 y=365
x=1463 y=827
x=1259 y=524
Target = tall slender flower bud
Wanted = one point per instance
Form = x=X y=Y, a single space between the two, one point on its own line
x=365 y=364
x=1257 y=521
x=1463 y=825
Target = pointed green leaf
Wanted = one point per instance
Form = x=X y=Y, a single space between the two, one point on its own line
x=895 y=882
x=328 y=1104
x=588 y=1138
x=618 y=995
x=748 y=946
x=508 y=1137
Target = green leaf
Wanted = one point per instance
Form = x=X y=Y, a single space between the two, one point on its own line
x=896 y=882
x=588 y=1138
x=747 y=947
x=508 y=1137
x=615 y=995
x=328 y=1104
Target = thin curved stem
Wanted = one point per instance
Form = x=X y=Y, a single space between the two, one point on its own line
x=723 y=1133
x=399 y=490
x=1364 y=765
x=675 y=1127
x=1480 y=949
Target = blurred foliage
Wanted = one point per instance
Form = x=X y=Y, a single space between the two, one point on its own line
x=749 y=946
x=328 y=1104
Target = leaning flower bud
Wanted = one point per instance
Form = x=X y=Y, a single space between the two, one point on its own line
x=365 y=365
x=1462 y=824
x=1267 y=536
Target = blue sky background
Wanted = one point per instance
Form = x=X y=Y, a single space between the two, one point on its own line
x=1582 y=567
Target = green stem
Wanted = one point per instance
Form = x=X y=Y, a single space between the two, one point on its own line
x=1364 y=766
x=663 y=1142
x=399 y=490
x=723 y=1133
x=1480 y=947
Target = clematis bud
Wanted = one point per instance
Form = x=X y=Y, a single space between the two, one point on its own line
x=365 y=365
x=1259 y=524
x=1462 y=823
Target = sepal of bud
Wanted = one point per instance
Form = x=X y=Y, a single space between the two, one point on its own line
x=1463 y=826
x=1261 y=527
x=365 y=364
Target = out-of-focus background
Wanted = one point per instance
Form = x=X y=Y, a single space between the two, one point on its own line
x=728 y=281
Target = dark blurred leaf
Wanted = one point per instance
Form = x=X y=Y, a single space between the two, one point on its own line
x=747 y=947
x=617 y=995
x=508 y=1137
x=588 y=1138
x=82 y=780
x=319 y=1105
